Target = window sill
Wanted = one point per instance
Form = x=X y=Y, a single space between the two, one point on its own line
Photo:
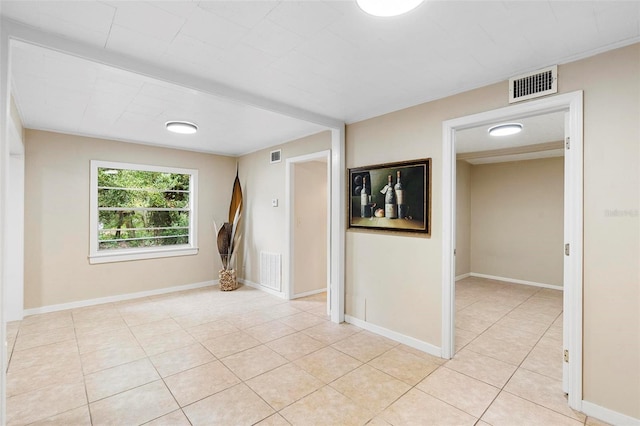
x=136 y=254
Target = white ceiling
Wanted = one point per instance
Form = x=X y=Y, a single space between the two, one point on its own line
x=536 y=130
x=322 y=57
x=67 y=94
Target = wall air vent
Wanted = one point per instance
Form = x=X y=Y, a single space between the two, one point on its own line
x=534 y=84
x=270 y=270
x=276 y=156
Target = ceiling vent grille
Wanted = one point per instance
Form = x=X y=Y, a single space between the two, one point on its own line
x=276 y=156
x=534 y=84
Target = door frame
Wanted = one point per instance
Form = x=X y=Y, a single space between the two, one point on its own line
x=289 y=256
x=573 y=214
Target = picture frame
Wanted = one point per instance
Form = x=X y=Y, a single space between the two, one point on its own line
x=405 y=208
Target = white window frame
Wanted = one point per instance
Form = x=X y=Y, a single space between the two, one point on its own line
x=122 y=255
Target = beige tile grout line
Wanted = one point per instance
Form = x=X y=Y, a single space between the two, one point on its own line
x=163 y=378
x=291 y=361
x=10 y=354
x=443 y=366
x=521 y=362
x=216 y=359
x=241 y=380
x=84 y=376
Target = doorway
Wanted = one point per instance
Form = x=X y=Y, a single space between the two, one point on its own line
x=307 y=269
x=509 y=259
x=572 y=309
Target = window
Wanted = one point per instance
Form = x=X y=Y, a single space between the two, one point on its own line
x=141 y=212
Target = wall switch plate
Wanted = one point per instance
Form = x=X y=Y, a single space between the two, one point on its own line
x=274 y=202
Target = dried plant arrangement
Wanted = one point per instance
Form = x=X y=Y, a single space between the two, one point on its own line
x=228 y=238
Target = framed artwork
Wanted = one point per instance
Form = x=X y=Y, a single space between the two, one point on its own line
x=391 y=197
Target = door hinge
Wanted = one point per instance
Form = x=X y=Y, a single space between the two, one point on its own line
x=454 y=252
x=567 y=142
x=566 y=355
x=566 y=249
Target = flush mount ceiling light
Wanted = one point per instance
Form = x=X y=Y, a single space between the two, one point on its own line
x=182 y=127
x=505 y=129
x=387 y=8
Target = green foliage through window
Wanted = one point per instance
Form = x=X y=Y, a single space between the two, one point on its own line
x=138 y=208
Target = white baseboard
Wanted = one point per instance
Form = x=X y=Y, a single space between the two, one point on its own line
x=401 y=338
x=262 y=288
x=117 y=298
x=463 y=276
x=310 y=293
x=516 y=281
x=607 y=415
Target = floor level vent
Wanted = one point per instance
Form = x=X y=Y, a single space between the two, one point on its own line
x=534 y=84
x=271 y=270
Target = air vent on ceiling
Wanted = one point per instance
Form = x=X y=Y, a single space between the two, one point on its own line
x=276 y=156
x=534 y=84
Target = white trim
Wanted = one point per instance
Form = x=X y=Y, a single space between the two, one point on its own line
x=117 y=298
x=122 y=255
x=398 y=337
x=573 y=102
x=566 y=265
x=516 y=281
x=574 y=230
x=309 y=293
x=260 y=287
x=5 y=108
x=338 y=223
x=14 y=233
x=607 y=415
x=289 y=255
x=329 y=236
x=448 y=241
x=463 y=276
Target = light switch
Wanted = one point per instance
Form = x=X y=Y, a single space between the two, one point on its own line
x=274 y=202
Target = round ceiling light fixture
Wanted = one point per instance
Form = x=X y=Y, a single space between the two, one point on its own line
x=505 y=129
x=182 y=127
x=386 y=8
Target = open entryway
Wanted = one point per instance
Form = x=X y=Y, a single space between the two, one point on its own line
x=509 y=262
x=307 y=266
x=569 y=274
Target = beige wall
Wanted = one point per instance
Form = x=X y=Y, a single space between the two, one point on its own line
x=611 y=86
x=400 y=276
x=264 y=227
x=517 y=215
x=310 y=229
x=463 y=218
x=57 y=220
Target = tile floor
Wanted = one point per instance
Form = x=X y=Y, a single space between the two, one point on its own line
x=245 y=357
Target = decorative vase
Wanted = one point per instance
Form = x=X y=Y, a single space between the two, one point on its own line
x=228 y=279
